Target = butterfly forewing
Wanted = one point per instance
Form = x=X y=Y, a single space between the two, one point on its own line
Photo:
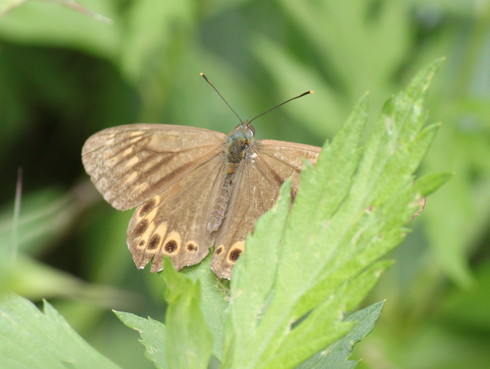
x=131 y=164
x=257 y=186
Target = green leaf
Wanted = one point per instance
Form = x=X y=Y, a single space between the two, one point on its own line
x=287 y=298
x=153 y=336
x=431 y=182
x=350 y=294
x=31 y=339
x=8 y=5
x=185 y=341
x=214 y=301
x=155 y=31
x=350 y=39
x=335 y=356
x=459 y=212
x=43 y=216
x=31 y=278
x=279 y=63
x=48 y=23
x=188 y=342
x=187 y=334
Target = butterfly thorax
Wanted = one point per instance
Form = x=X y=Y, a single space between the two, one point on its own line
x=237 y=147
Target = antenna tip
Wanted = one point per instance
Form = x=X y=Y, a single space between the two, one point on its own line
x=312 y=92
x=206 y=78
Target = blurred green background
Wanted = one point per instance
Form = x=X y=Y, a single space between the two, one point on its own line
x=65 y=75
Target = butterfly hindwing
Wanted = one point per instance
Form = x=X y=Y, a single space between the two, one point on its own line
x=285 y=158
x=173 y=223
x=257 y=186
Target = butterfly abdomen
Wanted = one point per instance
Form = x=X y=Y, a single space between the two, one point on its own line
x=221 y=203
x=236 y=149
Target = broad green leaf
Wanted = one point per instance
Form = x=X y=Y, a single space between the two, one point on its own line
x=8 y=5
x=31 y=339
x=43 y=216
x=48 y=23
x=453 y=220
x=185 y=340
x=356 y=45
x=469 y=308
x=188 y=342
x=155 y=36
x=350 y=210
x=153 y=336
x=29 y=277
x=335 y=356
x=187 y=336
x=431 y=182
x=326 y=117
x=312 y=330
x=214 y=301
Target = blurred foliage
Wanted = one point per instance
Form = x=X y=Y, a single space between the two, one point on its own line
x=64 y=75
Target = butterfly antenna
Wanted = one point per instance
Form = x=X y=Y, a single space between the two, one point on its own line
x=222 y=98
x=281 y=104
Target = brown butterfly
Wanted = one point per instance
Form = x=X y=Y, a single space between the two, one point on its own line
x=194 y=188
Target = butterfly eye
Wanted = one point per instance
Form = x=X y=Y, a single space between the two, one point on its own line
x=251 y=129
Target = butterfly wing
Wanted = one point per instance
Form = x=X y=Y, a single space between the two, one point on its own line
x=285 y=159
x=257 y=186
x=171 y=172
x=130 y=164
x=174 y=222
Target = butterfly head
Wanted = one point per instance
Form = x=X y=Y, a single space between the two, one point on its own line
x=239 y=142
x=245 y=128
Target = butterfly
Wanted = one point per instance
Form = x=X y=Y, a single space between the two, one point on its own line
x=194 y=188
